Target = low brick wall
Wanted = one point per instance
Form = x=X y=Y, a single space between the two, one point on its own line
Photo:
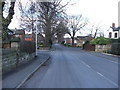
x=102 y=48
x=11 y=61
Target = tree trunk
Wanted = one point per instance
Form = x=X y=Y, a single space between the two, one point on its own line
x=48 y=36
x=95 y=33
x=72 y=41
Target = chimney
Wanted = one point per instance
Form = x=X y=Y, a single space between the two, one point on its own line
x=113 y=25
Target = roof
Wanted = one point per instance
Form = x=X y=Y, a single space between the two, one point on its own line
x=115 y=29
x=82 y=36
x=10 y=31
x=20 y=32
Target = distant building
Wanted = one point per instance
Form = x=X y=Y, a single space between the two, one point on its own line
x=82 y=39
x=79 y=40
x=68 y=41
x=114 y=32
x=22 y=35
x=29 y=37
x=19 y=33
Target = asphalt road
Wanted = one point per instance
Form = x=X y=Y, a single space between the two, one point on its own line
x=75 y=68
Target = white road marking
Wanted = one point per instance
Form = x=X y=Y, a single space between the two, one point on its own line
x=107 y=79
x=100 y=74
x=88 y=66
x=102 y=57
x=114 y=62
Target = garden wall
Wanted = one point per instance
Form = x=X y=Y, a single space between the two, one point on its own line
x=103 y=48
x=11 y=61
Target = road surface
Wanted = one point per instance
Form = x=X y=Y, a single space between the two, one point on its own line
x=75 y=68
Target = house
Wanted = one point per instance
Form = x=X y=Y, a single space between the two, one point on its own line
x=114 y=32
x=82 y=39
x=19 y=33
x=14 y=37
x=68 y=41
x=79 y=40
x=29 y=37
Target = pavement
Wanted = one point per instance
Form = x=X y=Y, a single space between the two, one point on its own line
x=18 y=76
x=75 y=68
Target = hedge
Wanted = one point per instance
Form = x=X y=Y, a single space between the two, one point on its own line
x=100 y=41
x=27 y=47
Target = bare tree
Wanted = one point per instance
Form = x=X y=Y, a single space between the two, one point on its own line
x=27 y=13
x=61 y=30
x=50 y=12
x=95 y=30
x=75 y=24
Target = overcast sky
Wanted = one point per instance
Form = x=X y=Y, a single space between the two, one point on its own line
x=99 y=12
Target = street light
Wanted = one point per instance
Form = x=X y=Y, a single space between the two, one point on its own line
x=36 y=38
x=32 y=11
x=36 y=32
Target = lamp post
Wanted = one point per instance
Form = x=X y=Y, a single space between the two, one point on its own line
x=33 y=11
x=36 y=31
x=36 y=38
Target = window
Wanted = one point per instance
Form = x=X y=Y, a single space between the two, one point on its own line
x=115 y=35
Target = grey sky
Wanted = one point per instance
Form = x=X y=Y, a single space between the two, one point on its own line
x=99 y=12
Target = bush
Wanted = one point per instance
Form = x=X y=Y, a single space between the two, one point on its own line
x=41 y=45
x=100 y=41
x=27 y=47
x=63 y=42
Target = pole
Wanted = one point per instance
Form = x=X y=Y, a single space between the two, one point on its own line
x=36 y=38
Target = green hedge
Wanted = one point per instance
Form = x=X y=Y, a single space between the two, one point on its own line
x=100 y=41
